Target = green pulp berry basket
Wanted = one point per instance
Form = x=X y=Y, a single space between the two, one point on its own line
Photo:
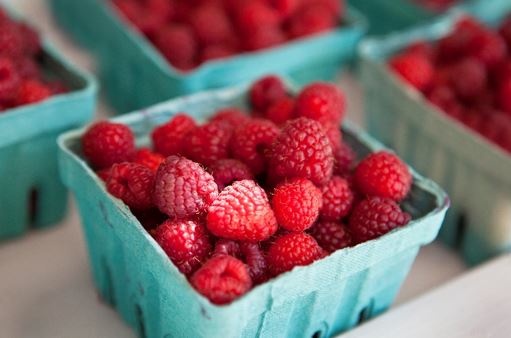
x=385 y=16
x=330 y=296
x=32 y=193
x=135 y=74
x=475 y=173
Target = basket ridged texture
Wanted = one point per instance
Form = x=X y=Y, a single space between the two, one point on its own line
x=386 y=16
x=475 y=173
x=135 y=75
x=328 y=297
x=28 y=150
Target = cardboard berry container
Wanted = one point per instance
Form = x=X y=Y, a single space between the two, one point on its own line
x=330 y=296
x=32 y=193
x=385 y=16
x=136 y=75
x=475 y=173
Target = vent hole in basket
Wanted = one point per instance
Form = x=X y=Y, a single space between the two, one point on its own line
x=317 y=334
x=461 y=229
x=365 y=314
x=140 y=321
x=33 y=205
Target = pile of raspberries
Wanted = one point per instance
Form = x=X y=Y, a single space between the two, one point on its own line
x=190 y=32
x=21 y=78
x=246 y=197
x=467 y=75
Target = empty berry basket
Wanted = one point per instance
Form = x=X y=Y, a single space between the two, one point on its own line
x=32 y=193
x=136 y=75
x=474 y=171
x=332 y=295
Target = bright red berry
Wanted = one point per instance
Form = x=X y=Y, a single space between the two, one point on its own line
x=132 y=183
x=414 y=68
x=337 y=199
x=344 y=158
x=169 y=138
x=333 y=132
x=504 y=96
x=295 y=249
x=331 y=236
x=228 y=171
x=211 y=24
x=183 y=189
x=468 y=78
x=322 y=102
x=266 y=91
x=106 y=143
x=148 y=159
x=264 y=37
x=222 y=279
x=185 y=242
x=242 y=212
x=215 y=52
x=281 y=110
x=32 y=91
x=208 y=143
x=374 y=217
x=383 y=174
x=296 y=204
x=233 y=116
x=177 y=43
x=302 y=150
x=9 y=80
x=252 y=15
x=311 y=19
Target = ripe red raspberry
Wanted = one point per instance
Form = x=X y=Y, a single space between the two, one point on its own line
x=9 y=80
x=468 y=78
x=232 y=116
x=132 y=183
x=333 y=132
x=177 y=43
x=295 y=249
x=11 y=40
x=215 y=52
x=334 y=6
x=222 y=279
x=281 y=110
x=228 y=171
x=284 y=7
x=457 y=43
x=322 y=102
x=148 y=159
x=252 y=15
x=383 y=174
x=296 y=204
x=264 y=37
x=211 y=24
x=489 y=48
x=337 y=199
x=31 y=40
x=104 y=174
x=504 y=96
x=27 y=69
x=505 y=30
x=302 y=150
x=168 y=139
x=185 y=242
x=106 y=143
x=344 y=158
x=208 y=143
x=182 y=189
x=331 y=236
x=414 y=68
x=242 y=212
x=251 y=141
x=311 y=19
x=32 y=91
x=422 y=47
x=374 y=217
x=266 y=91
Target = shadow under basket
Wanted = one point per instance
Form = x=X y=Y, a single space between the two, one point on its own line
x=475 y=172
x=32 y=193
x=135 y=74
x=328 y=297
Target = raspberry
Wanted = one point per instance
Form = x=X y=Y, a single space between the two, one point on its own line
x=505 y=30
x=421 y=47
x=344 y=158
x=232 y=116
x=489 y=48
x=211 y=24
x=148 y=159
x=331 y=236
x=250 y=253
x=27 y=68
x=333 y=132
x=32 y=91
x=302 y=150
x=228 y=171
x=208 y=143
x=132 y=183
x=9 y=80
x=337 y=199
x=266 y=91
x=215 y=52
x=104 y=174
x=185 y=242
x=251 y=141
x=31 y=40
x=442 y=96
x=296 y=204
x=468 y=78
x=374 y=217
x=322 y=102
x=281 y=110
x=414 y=68
x=295 y=249
x=168 y=139
x=222 y=279
x=242 y=212
x=311 y=19
x=177 y=43
x=504 y=96
x=284 y=7
x=383 y=174
x=106 y=143
x=11 y=40
x=182 y=189
x=457 y=44
x=264 y=37
x=227 y=247
x=250 y=16
x=334 y=6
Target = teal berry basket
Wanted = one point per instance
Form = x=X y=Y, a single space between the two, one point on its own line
x=32 y=193
x=386 y=16
x=330 y=296
x=474 y=172
x=136 y=75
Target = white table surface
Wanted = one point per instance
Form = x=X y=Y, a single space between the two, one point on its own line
x=45 y=284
